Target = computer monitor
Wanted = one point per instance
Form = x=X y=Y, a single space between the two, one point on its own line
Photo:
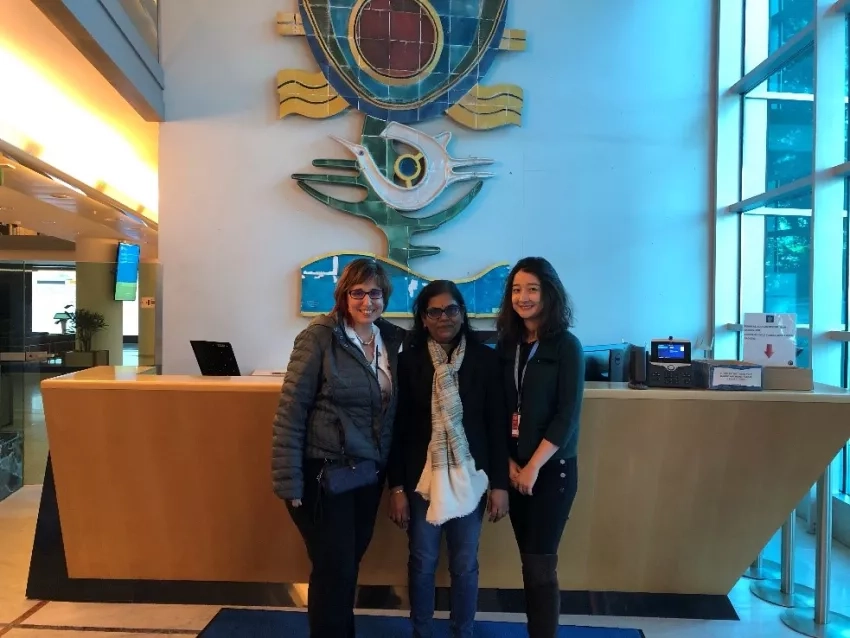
x=608 y=363
x=215 y=358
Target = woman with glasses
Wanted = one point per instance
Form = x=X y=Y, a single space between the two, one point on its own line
x=543 y=380
x=332 y=436
x=449 y=448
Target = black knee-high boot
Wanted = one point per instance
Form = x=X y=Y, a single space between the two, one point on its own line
x=542 y=594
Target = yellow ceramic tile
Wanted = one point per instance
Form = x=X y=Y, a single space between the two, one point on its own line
x=289 y=23
x=513 y=40
x=308 y=94
x=488 y=107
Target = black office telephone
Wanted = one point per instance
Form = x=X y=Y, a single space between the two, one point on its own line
x=668 y=364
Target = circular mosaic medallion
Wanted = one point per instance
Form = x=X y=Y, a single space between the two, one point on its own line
x=396 y=40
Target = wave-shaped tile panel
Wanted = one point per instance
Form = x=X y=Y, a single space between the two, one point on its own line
x=481 y=292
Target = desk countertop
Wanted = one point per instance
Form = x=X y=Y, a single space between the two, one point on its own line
x=140 y=378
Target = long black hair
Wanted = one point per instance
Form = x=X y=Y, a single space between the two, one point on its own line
x=419 y=333
x=557 y=313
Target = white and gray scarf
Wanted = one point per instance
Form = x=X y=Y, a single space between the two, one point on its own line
x=449 y=481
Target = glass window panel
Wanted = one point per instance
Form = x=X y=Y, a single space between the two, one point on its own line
x=778 y=130
x=787 y=265
x=804 y=353
x=798 y=76
x=777 y=146
x=15 y=375
x=844 y=273
x=787 y=18
x=774 y=23
x=790 y=134
x=845 y=470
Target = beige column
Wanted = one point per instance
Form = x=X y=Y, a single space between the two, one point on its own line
x=96 y=263
x=149 y=276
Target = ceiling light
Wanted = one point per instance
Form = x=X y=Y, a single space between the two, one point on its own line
x=4 y=165
x=60 y=196
x=87 y=146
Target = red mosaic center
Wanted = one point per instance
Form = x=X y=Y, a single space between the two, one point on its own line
x=397 y=38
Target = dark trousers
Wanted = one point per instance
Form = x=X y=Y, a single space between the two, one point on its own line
x=336 y=531
x=538 y=521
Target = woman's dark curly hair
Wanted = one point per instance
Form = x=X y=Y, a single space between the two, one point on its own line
x=419 y=333
x=557 y=313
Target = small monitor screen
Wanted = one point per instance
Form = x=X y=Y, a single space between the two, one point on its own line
x=671 y=351
x=127 y=272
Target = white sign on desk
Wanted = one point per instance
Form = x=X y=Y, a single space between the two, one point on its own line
x=770 y=339
x=736 y=377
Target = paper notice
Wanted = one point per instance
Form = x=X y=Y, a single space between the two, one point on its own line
x=770 y=339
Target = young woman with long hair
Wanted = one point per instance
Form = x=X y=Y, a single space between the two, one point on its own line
x=543 y=380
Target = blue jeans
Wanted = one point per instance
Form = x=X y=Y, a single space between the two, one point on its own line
x=462 y=536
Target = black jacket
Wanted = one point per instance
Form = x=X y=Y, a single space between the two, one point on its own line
x=485 y=420
x=329 y=384
x=551 y=394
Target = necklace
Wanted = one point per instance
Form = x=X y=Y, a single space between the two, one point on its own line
x=365 y=343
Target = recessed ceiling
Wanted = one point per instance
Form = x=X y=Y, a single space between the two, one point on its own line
x=39 y=198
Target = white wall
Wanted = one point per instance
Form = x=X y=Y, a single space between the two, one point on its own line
x=608 y=177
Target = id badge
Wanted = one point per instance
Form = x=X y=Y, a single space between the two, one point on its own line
x=515 y=425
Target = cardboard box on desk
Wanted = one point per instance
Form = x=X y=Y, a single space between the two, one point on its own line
x=787 y=378
x=727 y=374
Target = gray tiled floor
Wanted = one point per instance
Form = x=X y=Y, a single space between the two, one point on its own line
x=21 y=618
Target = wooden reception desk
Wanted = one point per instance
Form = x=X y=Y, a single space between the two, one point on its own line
x=168 y=478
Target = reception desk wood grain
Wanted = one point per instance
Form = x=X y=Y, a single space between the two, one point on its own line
x=168 y=478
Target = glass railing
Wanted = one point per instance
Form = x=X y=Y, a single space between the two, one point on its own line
x=13 y=370
x=27 y=357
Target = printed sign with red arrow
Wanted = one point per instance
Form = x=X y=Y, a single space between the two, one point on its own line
x=768 y=350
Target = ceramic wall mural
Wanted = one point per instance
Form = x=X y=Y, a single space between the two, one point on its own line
x=400 y=62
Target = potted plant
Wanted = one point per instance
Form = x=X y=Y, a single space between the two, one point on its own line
x=85 y=324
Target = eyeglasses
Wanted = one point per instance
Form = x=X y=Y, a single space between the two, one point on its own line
x=359 y=293
x=451 y=311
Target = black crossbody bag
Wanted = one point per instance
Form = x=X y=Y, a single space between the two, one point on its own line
x=339 y=477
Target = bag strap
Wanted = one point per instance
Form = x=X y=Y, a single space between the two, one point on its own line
x=342 y=439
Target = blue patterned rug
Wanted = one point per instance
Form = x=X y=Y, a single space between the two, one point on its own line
x=260 y=623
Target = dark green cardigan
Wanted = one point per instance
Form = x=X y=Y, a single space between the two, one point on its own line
x=551 y=394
